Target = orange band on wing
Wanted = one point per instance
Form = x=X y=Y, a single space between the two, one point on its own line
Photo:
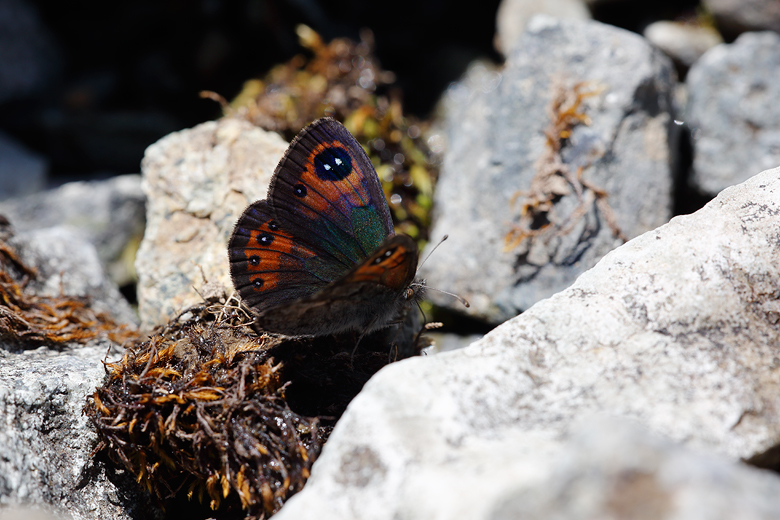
x=269 y=251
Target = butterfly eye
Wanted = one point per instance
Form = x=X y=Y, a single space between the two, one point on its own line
x=254 y=260
x=299 y=190
x=409 y=294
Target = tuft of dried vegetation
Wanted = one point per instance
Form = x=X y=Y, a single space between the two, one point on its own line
x=555 y=179
x=343 y=79
x=28 y=320
x=208 y=409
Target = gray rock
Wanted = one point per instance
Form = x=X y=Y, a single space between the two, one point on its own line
x=68 y=264
x=495 y=140
x=481 y=78
x=109 y=213
x=46 y=442
x=197 y=183
x=683 y=42
x=736 y=16
x=677 y=330
x=732 y=111
x=614 y=469
x=513 y=15
x=29 y=513
x=446 y=342
x=21 y=171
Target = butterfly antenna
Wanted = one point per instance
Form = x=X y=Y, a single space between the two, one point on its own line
x=461 y=299
x=445 y=237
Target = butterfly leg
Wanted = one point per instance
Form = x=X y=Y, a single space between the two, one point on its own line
x=362 y=334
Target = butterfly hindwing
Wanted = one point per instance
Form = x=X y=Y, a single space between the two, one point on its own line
x=268 y=265
x=326 y=189
x=367 y=298
x=393 y=265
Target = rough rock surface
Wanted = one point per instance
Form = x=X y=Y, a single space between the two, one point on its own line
x=109 y=213
x=677 y=329
x=513 y=15
x=495 y=140
x=732 y=111
x=46 y=442
x=67 y=264
x=735 y=16
x=197 y=183
x=445 y=342
x=30 y=513
x=613 y=469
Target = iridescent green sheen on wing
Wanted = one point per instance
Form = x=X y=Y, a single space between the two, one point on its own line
x=340 y=245
x=368 y=226
x=368 y=234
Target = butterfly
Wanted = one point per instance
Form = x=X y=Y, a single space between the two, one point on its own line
x=319 y=255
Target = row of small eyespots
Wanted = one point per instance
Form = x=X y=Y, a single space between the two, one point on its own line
x=264 y=239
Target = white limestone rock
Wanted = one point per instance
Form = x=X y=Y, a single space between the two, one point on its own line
x=197 y=183
x=678 y=330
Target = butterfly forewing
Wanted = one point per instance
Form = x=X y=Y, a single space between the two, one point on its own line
x=326 y=188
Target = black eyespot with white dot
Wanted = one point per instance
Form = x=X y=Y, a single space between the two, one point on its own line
x=254 y=260
x=387 y=254
x=333 y=164
x=257 y=283
x=265 y=239
x=299 y=190
x=273 y=226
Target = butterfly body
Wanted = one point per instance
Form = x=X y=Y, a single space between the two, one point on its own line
x=319 y=256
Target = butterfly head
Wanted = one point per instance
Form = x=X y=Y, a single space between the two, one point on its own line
x=416 y=291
